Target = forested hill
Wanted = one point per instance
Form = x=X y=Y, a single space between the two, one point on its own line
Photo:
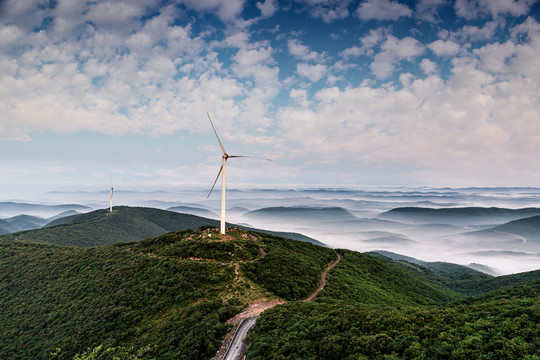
x=372 y=311
x=173 y=294
x=527 y=227
x=459 y=278
x=102 y=227
x=174 y=291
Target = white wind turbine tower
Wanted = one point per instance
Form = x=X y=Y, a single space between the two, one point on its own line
x=225 y=156
x=112 y=190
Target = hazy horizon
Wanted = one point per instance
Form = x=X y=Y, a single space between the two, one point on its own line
x=364 y=229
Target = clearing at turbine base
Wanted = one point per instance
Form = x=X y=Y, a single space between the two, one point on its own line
x=112 y=190
x=222 y=171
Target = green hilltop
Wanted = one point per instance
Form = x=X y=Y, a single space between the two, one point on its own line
x=173 y=294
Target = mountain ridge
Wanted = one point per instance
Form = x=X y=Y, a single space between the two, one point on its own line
x=124 y=224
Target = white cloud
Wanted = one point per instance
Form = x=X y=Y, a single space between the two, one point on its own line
x=481 y=123
x=156 y=80
x=368 y=41
x=313 y=72
x=428 y=9
x=9 y=35
x=472 y=9
x=444 y=47
x=26 y=14
x=394 y=50
x=267 y=8
x=475 y=33
x=327 y=10
x=159 y=78
x=121 y=16
x=300 y=97
x=428 y=67
x=303 y=52
x=353 y=51
x=511 y=60
x=256 y=63
x=382 y=10
x=406 y=48
x=529 y=26
x=373 y=37
x=467 y=128
x=226 y=10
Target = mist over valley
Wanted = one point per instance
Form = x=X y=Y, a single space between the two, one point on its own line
x=498 y=228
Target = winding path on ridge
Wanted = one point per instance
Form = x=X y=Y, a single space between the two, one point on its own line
x=323 y=279
x=247 y=318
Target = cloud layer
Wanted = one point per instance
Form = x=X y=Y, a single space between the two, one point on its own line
x=459 y=104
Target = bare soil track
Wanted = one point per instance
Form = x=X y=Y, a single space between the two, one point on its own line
x=323 y=280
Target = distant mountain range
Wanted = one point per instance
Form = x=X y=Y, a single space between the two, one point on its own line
x=124 y=224
x=457 y=216
x=194 y=211
x=6 y=227
x=447 y=270
x=528 y=228
x=29 y=222
x=10 y=209
x=326 y=214
x=465 y=280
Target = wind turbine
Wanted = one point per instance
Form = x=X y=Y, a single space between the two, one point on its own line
x=112 y=190
x=222 y=169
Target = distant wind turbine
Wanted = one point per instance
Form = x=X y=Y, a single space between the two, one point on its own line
x=112 y=190
x=225 y=156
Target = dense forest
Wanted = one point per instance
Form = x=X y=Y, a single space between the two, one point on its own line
x=173 y=292
x=170 y=296
x=371 y=311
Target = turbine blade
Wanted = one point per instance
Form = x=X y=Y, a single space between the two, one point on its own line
x=215 y=181
x=245 y=156
x=215 y=132
x=110 y=178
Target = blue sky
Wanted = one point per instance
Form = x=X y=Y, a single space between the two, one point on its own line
x=429 y=92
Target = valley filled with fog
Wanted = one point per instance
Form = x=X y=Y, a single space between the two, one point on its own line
x=497 y=230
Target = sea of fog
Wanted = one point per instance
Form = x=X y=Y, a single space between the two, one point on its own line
x=357 y=218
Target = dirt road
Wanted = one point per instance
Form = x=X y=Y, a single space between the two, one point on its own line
x=323 y=279
x=233 y=348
